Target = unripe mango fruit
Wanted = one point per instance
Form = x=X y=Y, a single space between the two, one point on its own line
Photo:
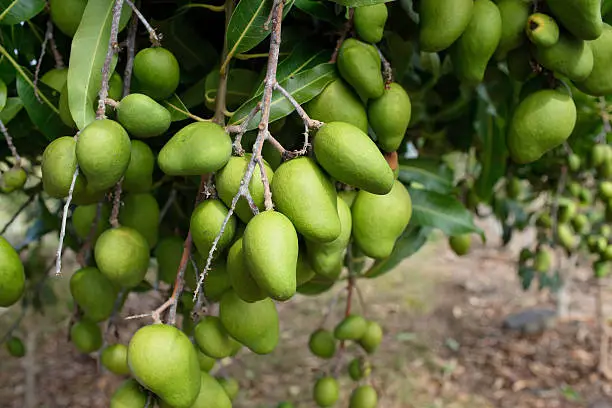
x=230 y=386
x=352 y=327
x=129 y=395
x=351 y=157
x=228 y=183
x=369 y=22
x=55 y=78
x=212 y=338
x=542 y=30
x=168 y=253
x=114 y=359
x=372 y=337
x=206 y=221
x=141 y=212
x=85 y=216
x=389 y=117
x=304 y=193
x=206 y=363
x=378 y=220
x=569 y=57
x=359 y=368
x=157 y=72
x=64 y=108
x=599 y=81
x=12 y=275
x=162 y=359
x=359 y=65
x=338 y=103
x=94 y=293
x=138 y=176
x=460 y=244
x=322 y=344
x=326 y=392
x=582 y=18
x=15 y=347
x=240 y=277
x=122 y=255
x=196 y=149
x=86 y=336
x=142 y=117
x=270 y=246
x=212 y=394
x=530 y=134
x=13 y=179
x=442 y=22
x=67 y=14
x=304 y=271
x=103 y=152
x=363 y=396
x=253 y=324
x=514 y=15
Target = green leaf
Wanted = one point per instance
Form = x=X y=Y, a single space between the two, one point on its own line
x=2 y=95
x=412 y=239
x=445 y=212
x=11 y=109
x=359 y=3
x=43 y=117
x=87 y=57
x=526 y=275
x=320 y=10
x=240 y=84
x=246 y=26
x=175 y=106
x=16 y=11
x=7 y=72
x=194 y=95
x=432 y=174
x=303 y=87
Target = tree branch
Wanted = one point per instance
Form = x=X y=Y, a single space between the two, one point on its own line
x=19 y=211
x=114 y=217
x=11 y=146
x=387 y=69
x=220 y=99
x=129 y=64
x=241 y=129
x=155 y=39
x=58 y=254
x=348 y=25
x=43 y=48
x=113 y=47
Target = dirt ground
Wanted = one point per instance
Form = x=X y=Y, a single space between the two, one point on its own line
x=444 y=345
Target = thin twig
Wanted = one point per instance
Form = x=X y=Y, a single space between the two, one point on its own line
x=220 y=98
x=266 y=183
x=180 y=279
x=277 y=145
x=113 y=47
x=155 y=39
x=310 y=123
x=15 y=324
x=59 y=60
x=19 y=211
x=83 y=254
x=129 y=63
x=348 y=25
x=186 y=113
x=167 y=205
x=387 y=69
x=11 y=146
x=58 y=253
x=241 y=129
x=114 y=217
x=43 y=48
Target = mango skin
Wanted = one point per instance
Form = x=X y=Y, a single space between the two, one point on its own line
x=460 y=244
x=304 y=193
x=162 y=359
x=142 y=117
x=389 y=117
x=64 y=108
x=542 y=30
x=582 y=18
x=442 y=22
x=138 y=176
x=217 y=282
x=359 y=65
x=530 y=134
x=12 y=275
x=369 y=22
x=212 y=394
x=364 y=396
x=304 y=272
x=196 y=149
x=270 y=246
x=13 y=179
x=338 y=103
x=378 y=220
x=67 y=14
x=157 y=72
x=84 y=216
x=141 y=212
x=599 y=81
x=372 y=337
x=86 y=336
x=569 y=57
x=240 y=277
x=55 y=78
x=168 y=253
x=103 y=151
x=514 y=15
x=473 y=50
x=206 y=221
x=352 y=327
x=122 y=255
x=253 y=324
x=228 y=183
x=326 y=392
x=114 y=359
x=212 y=338
x=93 y=292
x=350 y=156
x=129 y=395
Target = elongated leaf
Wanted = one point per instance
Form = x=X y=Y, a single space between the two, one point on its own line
x=11 y=109
x=43 y=117
x=445 y=212
x=175 y=106
x=319 y=10
x=15 y=11
x=3 y=95
x=240 y=84
x=246 y=27
x=359 y=3
x=7 y=71
x=303 y=87
x=87 y=56
x=408 y=244
x=194 y=95
x=432 y=174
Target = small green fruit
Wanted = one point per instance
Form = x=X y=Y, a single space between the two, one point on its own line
x=359 y=65
x=389 y=116
x=206 y=363
x=326 y=392
x=141 y=212
x=372 y=337
x=363 y=397
x=582 y=19
x=212 y=394
x=15 y=347
x=142 y=117
x=442 y=22
x=369 y=22
x=230 y=385
x=212 y=338
x=240 y=276
x=85 y=216
x=138 y=176
x=322 y=344
x=122 y=255
x=94 y=293
x=217 y=282
x=574 y=162
x=86 y=336
x=157 y=72
x=566 y=236
x=338 y=103
x=543 y=260
x=599 y=81
x=514 y=14
x=460 y=244
x=359 y=368
x=206 y=222
x=542 y=30
x=55 y=78
x=67 y=14
x=13 y=179
x=570 y=57
x=12 y=275
x=129 y=395
x=352 y=327
x=168 y=253
x=114 y=359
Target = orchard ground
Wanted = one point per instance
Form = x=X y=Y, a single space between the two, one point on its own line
x=444 y=346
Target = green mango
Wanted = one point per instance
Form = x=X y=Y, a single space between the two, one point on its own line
x=389 y=117
x=206 y=221
x=359 y=64
x=142 y=117
x=162 y=359
x=157 y=72
x=372 y=337
x=212 y=338
x=581 y=224
x=67 y=14
x=369 y=22
x=13 y=179
x=569 y=57
x=471 y=53
x=138 y=176
x=64 y=108
x=304 y=271
x=348 y=196
x=15 y=347
x=605 y=189
x=94 y=293
x=338 y=103
x=532 y=133
x=566 y=236
x=304 y=193
x=103 y=153
x=84 y=216
x=322 y=344
x=364 y=396
x=129 y=395
x=567 y=210
x=122 y=255
x=228 y=181
x=352 y=327
x=582 y=18
x=217 y=281
x=378 y=220
x=327 y=258
x=542 y=30
x=599 y=81
x=359 y=368
x=114 y=359
x=196 y=149
x=212 y=394
x=519 y=63
x=230 y=386
x=86 y=336
x=543 y=260
x=253 y=324
x=240 y=277
x=168 y=253
x=55 y=78
x=316 y=286
x=141 y=212
x=326 y=392
x=460 y=244
x=12 y=275
x=514 y=15
x=206 y=363
x=442 y=22
x=574 y=162
x=351 y=157
x=270 y=246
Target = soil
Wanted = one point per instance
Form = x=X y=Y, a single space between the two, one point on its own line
x=444 y=347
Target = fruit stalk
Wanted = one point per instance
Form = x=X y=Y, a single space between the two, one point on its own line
x=113 y=47
x=11 y=146
x=129 y=63
x=60 y=246
x=240 y=130
x=348 y=25
x=43 y=48
x=387 y=69
x=152 y=35
x=114 y=218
